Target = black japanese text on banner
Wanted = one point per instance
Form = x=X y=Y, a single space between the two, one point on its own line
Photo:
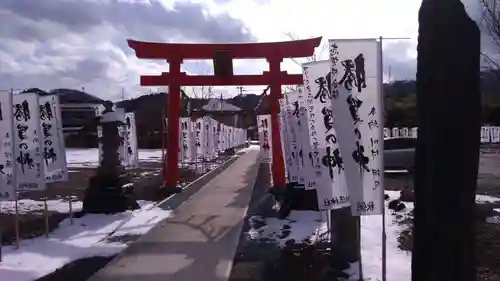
x=356 y=103
x=7 y=159
x=29 y=174
x=185 y=139
x=53 y=148
x=284 y=138
x=305 y=146
x=325 y=158
x=131 y=144
x=264 y=130
x=293 y=118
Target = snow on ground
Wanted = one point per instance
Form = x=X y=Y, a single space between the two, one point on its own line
x=301 y=226
x=250 y=147
x=487 y=199
x=34 y=206
x=398 y=261
x=89 y=157
x=89 y=236
x=310 y=225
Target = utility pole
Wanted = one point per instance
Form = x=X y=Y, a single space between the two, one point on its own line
x=240 y=90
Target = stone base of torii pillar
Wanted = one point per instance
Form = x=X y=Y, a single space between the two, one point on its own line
x=110 y=190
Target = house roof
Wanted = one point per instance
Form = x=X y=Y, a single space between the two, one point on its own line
x=36 y=91
x=76 y=96
x=220 y=105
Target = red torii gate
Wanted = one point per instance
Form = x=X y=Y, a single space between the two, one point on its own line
x=222 y=56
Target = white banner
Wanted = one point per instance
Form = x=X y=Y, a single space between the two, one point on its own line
x=485 y=134
x=198 y=137
x=264 y=130
x=387 y=133
x=29 y=174
x=122 y=133
x=284 y=138
x=292 y=110
x=185 y=139
x=7 y=184
x=327 y=161
x=54 y=150
x=99 y=143
x=305 y=149
x=395 y=132
x=495 y=134
x=131 y=143
x=414 y=132
x=357 y=104
x=214 y=140
x=403 y=132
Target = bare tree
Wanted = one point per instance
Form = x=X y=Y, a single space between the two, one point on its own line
x=318 y=52
x=203 y=92
x=490 y=21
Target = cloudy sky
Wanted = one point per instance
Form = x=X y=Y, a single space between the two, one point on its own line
x=82 y=43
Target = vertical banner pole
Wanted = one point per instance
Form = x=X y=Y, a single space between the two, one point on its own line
x=381 y=145
x=358 y=226
x=1 y=234
x=163 y=138
x=16 y=222
x=46 y=214
x=70 y=209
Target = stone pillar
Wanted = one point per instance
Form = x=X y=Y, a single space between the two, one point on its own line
x=110 y=190
x=447 y=156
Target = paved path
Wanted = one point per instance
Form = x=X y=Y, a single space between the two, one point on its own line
x=197 y=243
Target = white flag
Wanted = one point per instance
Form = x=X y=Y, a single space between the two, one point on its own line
x=325 y=160
x=357 y=105
x=29 y=173
x=7 y=159
x=53 y=148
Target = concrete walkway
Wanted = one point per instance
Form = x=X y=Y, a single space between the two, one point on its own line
x=197 y=243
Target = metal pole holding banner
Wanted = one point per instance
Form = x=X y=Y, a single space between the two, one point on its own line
x=1 y=234
x=381 y=145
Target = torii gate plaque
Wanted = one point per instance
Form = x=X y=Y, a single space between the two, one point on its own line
x=222 y=56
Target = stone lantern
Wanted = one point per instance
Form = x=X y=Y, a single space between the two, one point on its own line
x=110 y=189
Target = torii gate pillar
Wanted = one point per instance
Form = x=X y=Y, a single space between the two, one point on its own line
x=278 y=163
x=174 y=113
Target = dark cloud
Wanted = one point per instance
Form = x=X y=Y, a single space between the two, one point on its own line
x=83 y=43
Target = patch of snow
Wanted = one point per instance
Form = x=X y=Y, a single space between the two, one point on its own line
x=312 y=226
x=37 y=206
x=301 y=226
x=249 y=148
x=398 y=261
x=89 y=157
x=85 y=238
x=148 y=173
x=487 y=199
x=494 y=220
